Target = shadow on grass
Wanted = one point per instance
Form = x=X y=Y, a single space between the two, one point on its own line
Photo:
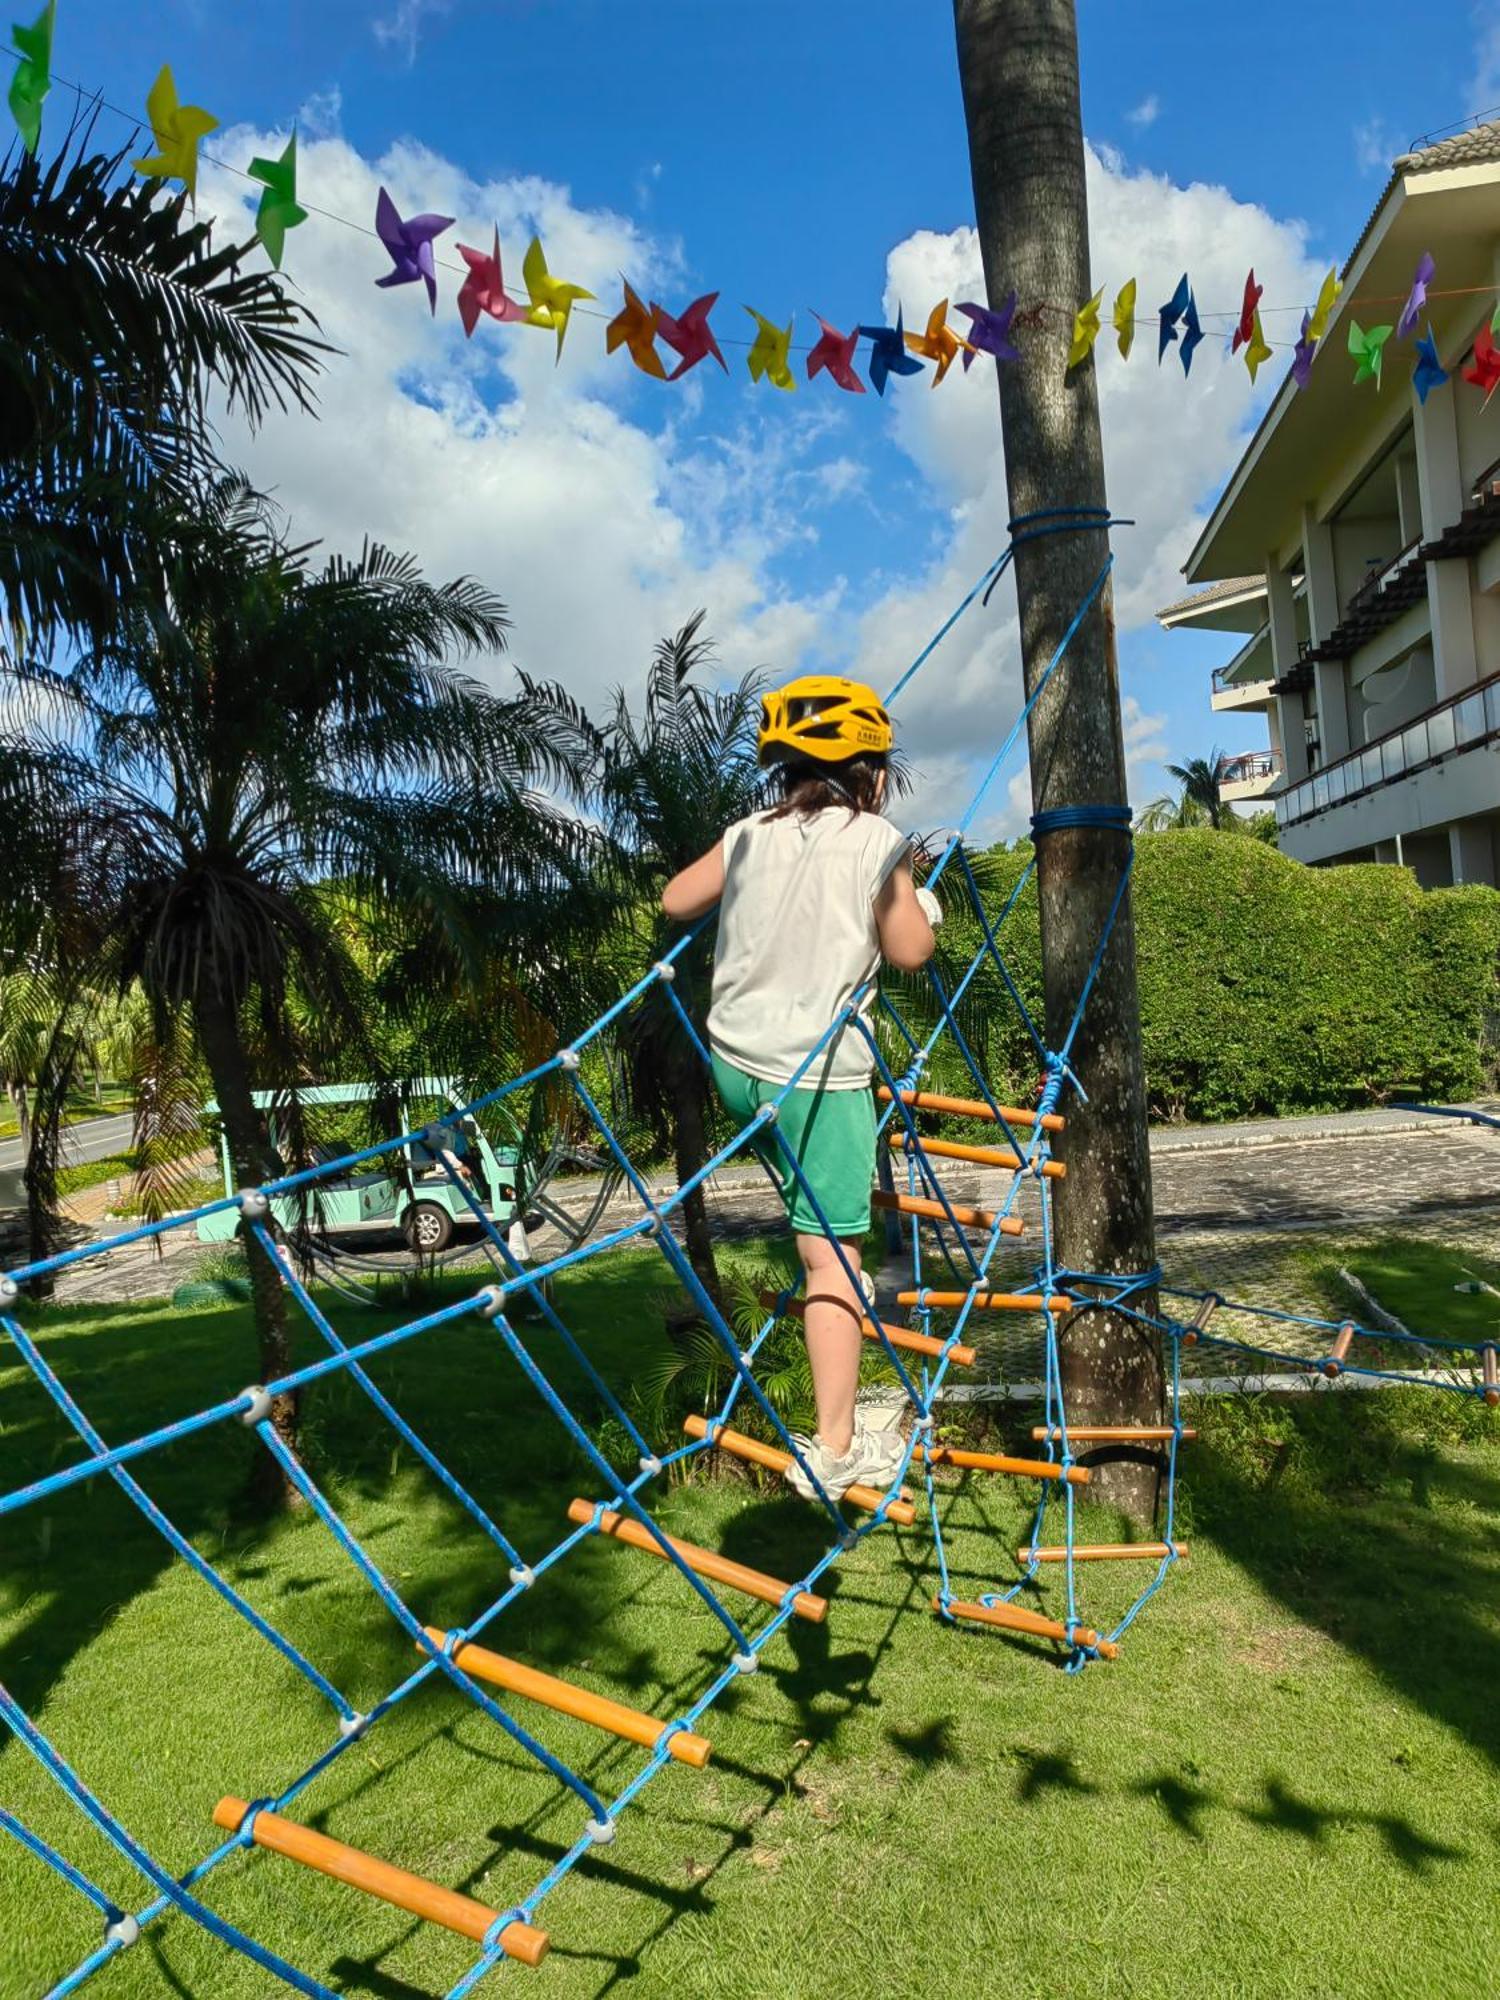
x=1360 y=1541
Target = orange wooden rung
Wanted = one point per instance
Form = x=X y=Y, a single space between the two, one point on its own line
x=980 y=1156
x=1332 y=1363
x=1110 y=1433
x=1085 y=1552
x=576 y=1701
x=966 y=1218
x=1020 y=1302
x=706 y=1562
x=898 y=1336
x=1014 y=1619
x=380 y=1878
x=993 y=1461
x=774 y=1460
x=1490 y=1375
x=972 y=1107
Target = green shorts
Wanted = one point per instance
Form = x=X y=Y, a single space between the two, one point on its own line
x=832 y=1134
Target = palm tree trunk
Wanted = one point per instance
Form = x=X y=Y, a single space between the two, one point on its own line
x=218 y=1029
x=1018 y=61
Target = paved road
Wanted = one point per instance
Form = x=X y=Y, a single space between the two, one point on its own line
x=93 y=1139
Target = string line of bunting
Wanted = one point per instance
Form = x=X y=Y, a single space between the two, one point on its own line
x=641 y=328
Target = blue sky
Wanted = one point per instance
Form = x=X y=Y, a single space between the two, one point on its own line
x=796 y=156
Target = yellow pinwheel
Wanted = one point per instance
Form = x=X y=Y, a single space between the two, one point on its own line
x=1257 y=347
x=1085 y=329
x=1328 y=298
x=1124 y=317
x=552 y=300
x=178 y=129
x=769 y=353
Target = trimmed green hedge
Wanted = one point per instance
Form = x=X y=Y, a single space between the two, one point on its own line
x=1269 y=987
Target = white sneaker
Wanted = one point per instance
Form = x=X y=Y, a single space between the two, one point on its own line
x=873 y=1459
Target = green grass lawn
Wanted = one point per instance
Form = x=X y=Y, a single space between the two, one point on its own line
x=1284 y=1785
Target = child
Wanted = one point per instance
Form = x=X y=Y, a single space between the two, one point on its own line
x=812 y=893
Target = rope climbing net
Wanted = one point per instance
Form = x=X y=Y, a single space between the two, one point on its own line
x=935 y=1338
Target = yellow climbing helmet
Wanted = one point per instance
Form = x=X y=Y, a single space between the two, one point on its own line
x=825 y=717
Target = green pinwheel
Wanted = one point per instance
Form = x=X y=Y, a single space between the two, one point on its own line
x=278 y=211
x=33 y=75
x=1366 y=350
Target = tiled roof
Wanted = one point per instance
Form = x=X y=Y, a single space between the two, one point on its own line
x=1464 y=149
x=1216 y=593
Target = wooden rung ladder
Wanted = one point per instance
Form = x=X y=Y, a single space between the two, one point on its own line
x=934 y=1211
x=1103 y=1552
x=980 y=1156
x=753 y=1452
x=705 y=1562
x=899 y=1336
x=1111 y=1433
x=413 y=1893
x=566 y=1699
x=1019 y=1468
x=973 y=1107
x=1014 y=1618
x=1024 y=1302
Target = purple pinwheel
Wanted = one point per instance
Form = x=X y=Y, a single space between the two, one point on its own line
x=1416 y=298
x=1302 y=354
x=990 y=332
x=410 y=244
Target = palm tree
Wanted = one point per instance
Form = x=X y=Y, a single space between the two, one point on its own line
x=1018 y=69
x=261 y=728
x=1199 y=779
x=665 y=784
x=119 y=319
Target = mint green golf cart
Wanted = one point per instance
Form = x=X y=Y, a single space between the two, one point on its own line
x=410 y=1190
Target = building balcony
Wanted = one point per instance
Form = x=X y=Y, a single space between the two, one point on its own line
x=1425 y=773
x=1239 y=696
x=1248 y=777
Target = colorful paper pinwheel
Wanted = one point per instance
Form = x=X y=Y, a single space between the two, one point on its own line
x=1328 y=298
x=409 y=243
x=552 y=299
x=1484 y=370
x=483 y=290
x=278 y=211
x=1085 y=330
x=1416 y=298
x=178 y=129
x=1257 y=348
x=1124 y=318
x=1429 y=373
x=634 y=328
x=835 y=352
x=33 y=75
x=990 y=332
x=888 y=355
x=1366 y=350
x=691 y=336
x=1181 y=309
x=939 y=343
x=768 y=352
x=1302 y=354
x=1249 y=311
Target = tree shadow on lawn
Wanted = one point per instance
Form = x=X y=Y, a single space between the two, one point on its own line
x=1388 y=1578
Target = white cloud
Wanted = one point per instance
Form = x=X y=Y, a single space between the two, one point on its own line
x=321 y=116
x=401 y=29
x=1374 y=148
x=1486 y=61
x=1168 y=444
x=490 y=458
x=601 y=533
x=1145 y=113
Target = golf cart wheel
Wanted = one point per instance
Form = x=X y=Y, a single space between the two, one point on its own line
x=428 y=1229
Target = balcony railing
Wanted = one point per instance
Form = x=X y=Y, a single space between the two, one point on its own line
x=1462 y=723
x=1247 y=769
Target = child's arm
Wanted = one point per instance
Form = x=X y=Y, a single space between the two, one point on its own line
x=906 y=939
x=694 y=890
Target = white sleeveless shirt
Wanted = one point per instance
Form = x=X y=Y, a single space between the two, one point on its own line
x=797 y=938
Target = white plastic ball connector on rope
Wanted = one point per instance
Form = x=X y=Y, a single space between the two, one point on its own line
x=122 y=1931
x=255 y=1204
x=260 y=1406
x=10 y=1291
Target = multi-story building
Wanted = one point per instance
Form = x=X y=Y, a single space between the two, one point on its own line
x=1357 y=551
